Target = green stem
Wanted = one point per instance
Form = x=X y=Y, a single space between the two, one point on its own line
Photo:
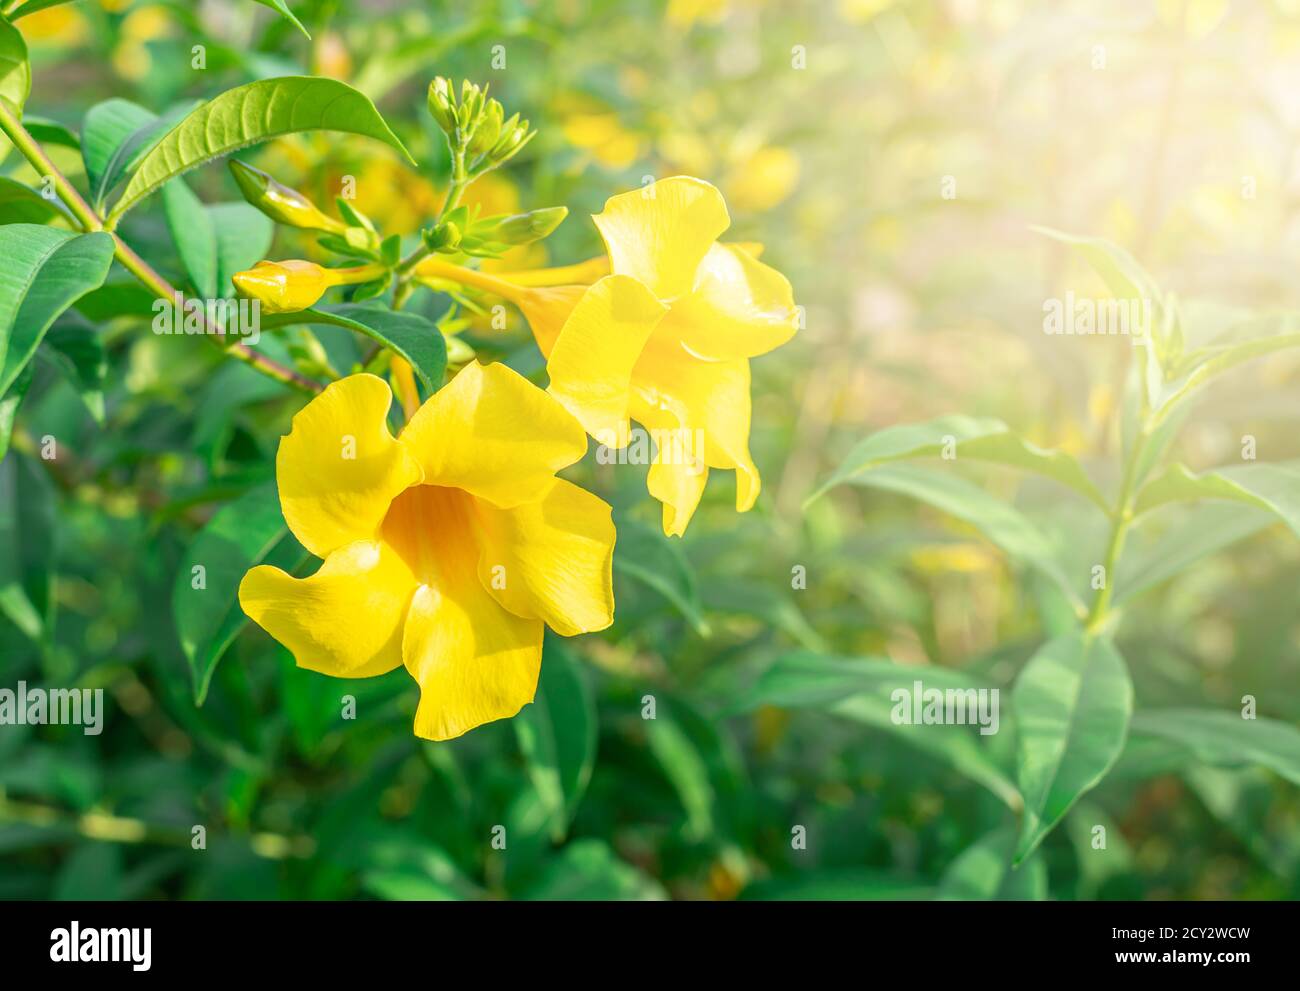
x=90 y=222
x=1121 y=519
x=460 y=180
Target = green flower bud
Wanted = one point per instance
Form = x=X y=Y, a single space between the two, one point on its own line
x=488 y=128
x=444 y=238
x=279 y=202
x=525 y=228
x=442 y=103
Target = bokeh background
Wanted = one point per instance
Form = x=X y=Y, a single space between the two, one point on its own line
x=892 y=157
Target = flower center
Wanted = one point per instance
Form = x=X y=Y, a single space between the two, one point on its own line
x=431 y=528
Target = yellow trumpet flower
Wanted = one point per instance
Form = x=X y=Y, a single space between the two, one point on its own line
x=293 y=285
x=664 y=339
x=447 y=549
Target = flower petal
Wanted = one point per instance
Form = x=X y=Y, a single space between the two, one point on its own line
x=475 y=661
x=494 y=434
x=546 y=310
x=679 y=487
x=592 y=361
x=704 y=401
x=661 y=233
x=339 y=468
x=551 y=559
x=345 y=620
x=739 y=308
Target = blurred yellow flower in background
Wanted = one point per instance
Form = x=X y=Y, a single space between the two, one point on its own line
x=596 y=129
x=448 y=549
x=763 y=180
x=62 y=24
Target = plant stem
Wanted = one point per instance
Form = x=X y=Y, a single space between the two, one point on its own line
x=91 y=222
x=460 y=180
x=1121 y=519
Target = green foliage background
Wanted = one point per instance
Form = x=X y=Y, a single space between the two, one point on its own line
x=1168 y=128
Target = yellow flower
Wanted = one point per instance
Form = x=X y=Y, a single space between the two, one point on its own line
x=666 y=339
x=447 y=549
x=293 y=285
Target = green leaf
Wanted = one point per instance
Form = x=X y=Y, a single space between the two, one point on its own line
x=196 y=241
x=15 y=70
x=91 y=872
x=117 y=299
x=406 y=870
x=1124 y=277
x=645 y=555
x=557 y=735
x=1072 y=705
x=1223 y=360
x=282 y=8
x=28 y=529
x=984 y=872
x=1204 y=531
x=51 y=132
x=967 y=437
x=115 y=135
x=20 y=204
x=215 y=241
x=246 y=532
x=771 y=606
x=248 y=114
x=409 y=335
x=588 y=870
x=79 y=352
x=9 y=408
x=45 y=272
x=244 y=235
x=1225 y=739
x=685 y=770
x=1000 y=523
x=864 y=689
x=1272 y=487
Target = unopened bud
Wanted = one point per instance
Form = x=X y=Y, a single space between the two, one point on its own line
x=279 y=202
x=442 y=103
x=488 y=128
x=525 y=228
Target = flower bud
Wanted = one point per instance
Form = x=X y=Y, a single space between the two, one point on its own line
x=279 y=202
x=512 y=140
x=445 y=237
x=442 y=100
x=525 y=228
x=285 y=287
x=488 y=128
